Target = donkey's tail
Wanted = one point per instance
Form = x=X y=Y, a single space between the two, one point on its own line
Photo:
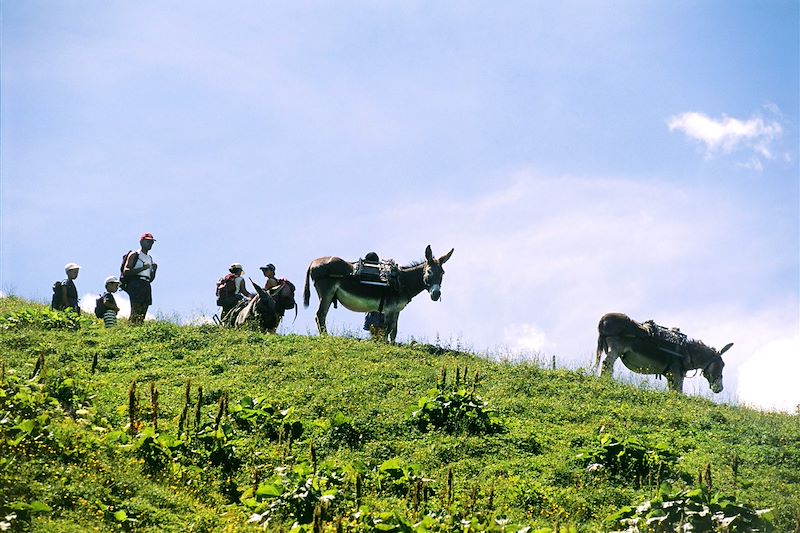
x=602 y=348
x=307 y=289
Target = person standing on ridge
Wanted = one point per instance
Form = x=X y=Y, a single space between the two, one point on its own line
x=374 y=321
x=109 y=308
x=65 y=294
x=139 y=272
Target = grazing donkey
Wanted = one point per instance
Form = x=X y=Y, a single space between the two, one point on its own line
x=334 y=281
x=650 y=349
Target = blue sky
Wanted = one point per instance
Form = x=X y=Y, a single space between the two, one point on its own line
x=581 y=158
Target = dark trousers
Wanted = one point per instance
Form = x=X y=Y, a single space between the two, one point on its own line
x=138 y=312
x=141 y=296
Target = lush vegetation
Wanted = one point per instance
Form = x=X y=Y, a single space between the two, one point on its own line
x=178 y=428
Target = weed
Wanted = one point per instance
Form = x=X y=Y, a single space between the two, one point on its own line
x=44 y=319
x=695 y=509
x=630 y=459
x=455 y=409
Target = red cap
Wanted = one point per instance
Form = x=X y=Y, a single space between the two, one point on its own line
x=147 y=236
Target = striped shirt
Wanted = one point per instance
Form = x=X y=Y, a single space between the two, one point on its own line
x=110 y=318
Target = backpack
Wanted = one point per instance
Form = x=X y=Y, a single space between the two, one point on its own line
x=123 y=280
x=57 y=303
x=99 y=306
x=226 y=286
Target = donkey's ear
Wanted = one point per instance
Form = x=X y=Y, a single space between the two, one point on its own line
x=428 y=254
x=726 y=348
x=445 y=257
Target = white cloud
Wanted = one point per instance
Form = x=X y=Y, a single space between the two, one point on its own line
x=728 y=134
x=539 y=260
x=525 y=338
x=87 y=303
x=767 y=380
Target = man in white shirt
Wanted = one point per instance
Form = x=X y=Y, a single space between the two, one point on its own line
x=140 y=271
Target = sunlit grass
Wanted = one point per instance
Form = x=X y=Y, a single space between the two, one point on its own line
x=354 y=398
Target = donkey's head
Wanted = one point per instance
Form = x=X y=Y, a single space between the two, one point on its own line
x=433 y=273
x=712 y=369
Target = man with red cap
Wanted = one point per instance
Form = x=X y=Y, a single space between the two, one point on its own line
x=139 y=272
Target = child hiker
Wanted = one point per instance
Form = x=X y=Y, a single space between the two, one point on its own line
x=107 y=307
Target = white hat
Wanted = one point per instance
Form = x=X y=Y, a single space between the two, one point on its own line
x=71 y=266
x=111 y=279
x=235 y=265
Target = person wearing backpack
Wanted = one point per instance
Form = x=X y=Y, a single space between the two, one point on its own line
x=138 y=272
x=232 y=289
x=106 y=306
x=65 y=294
x=269 y=272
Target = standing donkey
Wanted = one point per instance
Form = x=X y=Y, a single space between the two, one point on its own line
x=334 y=281
x=642 y=350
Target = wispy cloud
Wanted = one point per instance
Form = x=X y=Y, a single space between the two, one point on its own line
x=540 y=259
x=729 y=134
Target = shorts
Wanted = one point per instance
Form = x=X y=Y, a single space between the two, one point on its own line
x=140 y=292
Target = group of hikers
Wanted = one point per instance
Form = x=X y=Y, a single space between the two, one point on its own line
x=137 y=273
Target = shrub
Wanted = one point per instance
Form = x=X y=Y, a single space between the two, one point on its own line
x=397 y=478
x=295 y=492
x=43 y=319
x=694 y=509
x=341 y=431
x=629 y=459
x=455 y=409
x=258 y=414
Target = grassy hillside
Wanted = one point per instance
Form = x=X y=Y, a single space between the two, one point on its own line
x=111 y=432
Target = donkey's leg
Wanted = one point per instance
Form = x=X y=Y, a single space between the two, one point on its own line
x=391 y=327
x=608 y=362
x=322 y=313
x=278 y=320
x=675 y=378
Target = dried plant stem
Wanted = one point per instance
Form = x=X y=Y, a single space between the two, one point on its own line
x=198 y=407
x=222 y=410
x=38 y=369
x=154 y=403
x=450 y=486
x=133 y=408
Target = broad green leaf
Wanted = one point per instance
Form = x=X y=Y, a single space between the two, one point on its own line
x=392 y=465
x=39 y=507
x=26 y=426
x=269 y=490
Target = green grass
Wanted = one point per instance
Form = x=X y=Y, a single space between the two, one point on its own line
x=564 y=450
